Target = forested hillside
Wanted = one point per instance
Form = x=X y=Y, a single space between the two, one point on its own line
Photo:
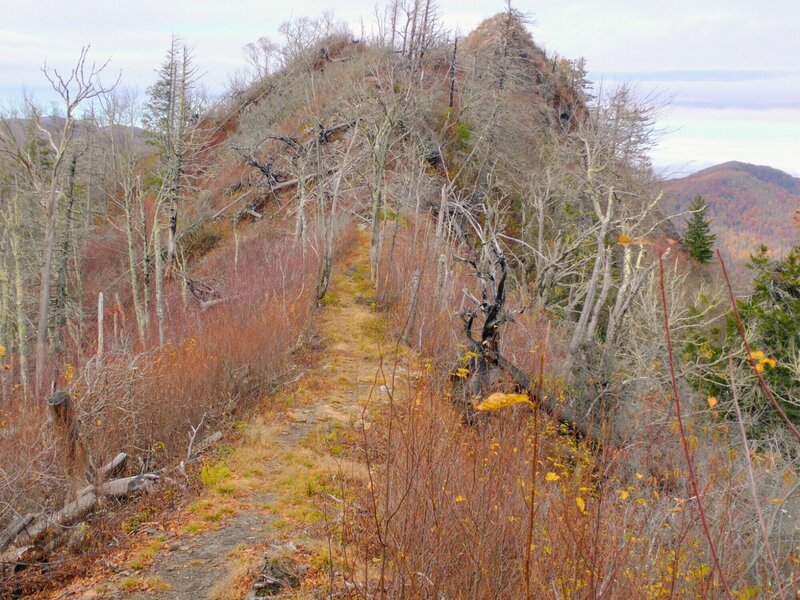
x=749 y=205
x=397 y=317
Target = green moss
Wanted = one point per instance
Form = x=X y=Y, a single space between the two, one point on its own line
x=374 y=328
x=463 y=132
x=133 y=522
x=329 y=299
x=192 y=528
x=218 y=515
x=213 y=474
x=130 y=584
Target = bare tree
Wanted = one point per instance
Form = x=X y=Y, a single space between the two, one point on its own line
x=261 y=56
x=171 y=116
x=327 y=216
x=121 y=113
x=80 y=85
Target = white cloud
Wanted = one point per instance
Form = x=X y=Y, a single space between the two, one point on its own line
x=701 y=137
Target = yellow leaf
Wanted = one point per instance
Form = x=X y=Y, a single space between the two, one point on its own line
x=462 y=373
x=639 y=476
x=788 y=476
x=757 y=355
x=624 y=239
x=499 y=400
x=760 y=368
x=581 y=504
x=2 y=351
x=770 y=362
x=551 y=477
x=712 y=401
x=623 y=495
x=459 y=498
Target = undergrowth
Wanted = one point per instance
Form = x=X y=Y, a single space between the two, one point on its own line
x=514 y=504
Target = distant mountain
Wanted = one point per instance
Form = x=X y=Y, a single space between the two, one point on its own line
x=748 y=205
x=18 y=125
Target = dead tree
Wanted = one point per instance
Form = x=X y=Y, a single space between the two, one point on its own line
x=80 y=86
x=485 y=363
x=66 y=427
x=485 y=359
x=491 y=306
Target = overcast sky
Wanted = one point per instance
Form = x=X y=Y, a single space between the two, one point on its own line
x=730 y=66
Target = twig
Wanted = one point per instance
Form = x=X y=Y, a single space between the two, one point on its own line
x=192 y=435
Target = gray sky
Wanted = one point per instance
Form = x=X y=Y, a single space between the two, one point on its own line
x=730 y=66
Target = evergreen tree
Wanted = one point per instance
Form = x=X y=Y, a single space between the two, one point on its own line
x=772 y=316
x=168 y=118
x=698 y=237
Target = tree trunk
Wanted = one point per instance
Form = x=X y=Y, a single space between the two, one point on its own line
x=66 y=426
x=146 y=269
x=412 y=306
x=19 y=290
x=380 y=148
x=159 y=275
x=101 y=309
x=48 y=251
x=61 y=281
x=453 y=74
x=133 y=266
x=579 y=335
x=328 y=223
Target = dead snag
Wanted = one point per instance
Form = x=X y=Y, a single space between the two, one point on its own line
x=66 y=427
x=484 y=355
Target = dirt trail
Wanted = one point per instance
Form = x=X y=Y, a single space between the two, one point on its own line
x=261 y=504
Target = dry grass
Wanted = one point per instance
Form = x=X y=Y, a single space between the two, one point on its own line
x=448 y=512
x=464 y=510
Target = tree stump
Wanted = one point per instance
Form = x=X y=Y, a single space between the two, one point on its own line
x=66 y=426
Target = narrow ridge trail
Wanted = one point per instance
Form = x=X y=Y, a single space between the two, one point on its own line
x=261 y=517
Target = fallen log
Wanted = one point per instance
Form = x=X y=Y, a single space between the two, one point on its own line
x=323 y=135
x=70 y=513
x=114 y=467
x=119 y=488
x=15 y=558
x=275 y=188
x=10 y=533
x=82 y=506
x=589 y=430
x=206 y=304
x=206 y=443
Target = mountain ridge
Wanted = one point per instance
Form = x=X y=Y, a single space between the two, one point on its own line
x=749 y=205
